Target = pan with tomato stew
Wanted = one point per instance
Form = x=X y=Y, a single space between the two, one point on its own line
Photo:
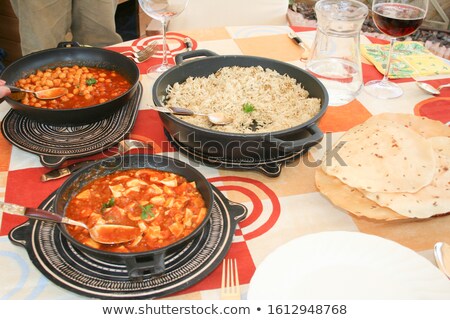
x=48 y=68
x=168 y=200
x=163 y=205
x=86 y=86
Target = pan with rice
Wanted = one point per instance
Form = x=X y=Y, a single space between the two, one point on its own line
x=275 y=105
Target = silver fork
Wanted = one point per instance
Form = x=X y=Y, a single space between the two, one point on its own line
x=141 y=55
x=230 y=289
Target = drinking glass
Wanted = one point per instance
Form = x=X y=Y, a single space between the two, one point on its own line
x=395 y=18
x=162 y=10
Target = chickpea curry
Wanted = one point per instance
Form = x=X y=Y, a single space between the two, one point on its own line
x=86 y=86
x=163 y=205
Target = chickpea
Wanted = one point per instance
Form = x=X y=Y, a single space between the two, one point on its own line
x=102 y=100
x=76 y=91
x=67 y=85
x=38 y=105
x=101 y=79
x=62 y=75
x=87 y=96
x=49 y=83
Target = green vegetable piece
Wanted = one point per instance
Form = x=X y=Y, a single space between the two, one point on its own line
x=147 y=211
x=248 y=107
x=108 y=204
x=91 y=81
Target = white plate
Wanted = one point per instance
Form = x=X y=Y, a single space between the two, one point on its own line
x=346 y=265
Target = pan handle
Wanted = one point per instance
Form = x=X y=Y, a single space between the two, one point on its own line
x=153 y=264
x=179 y=59
x=297 y=145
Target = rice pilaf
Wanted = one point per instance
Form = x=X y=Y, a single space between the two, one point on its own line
x=259 y=100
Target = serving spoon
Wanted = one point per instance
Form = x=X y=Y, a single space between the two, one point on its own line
x=101 y=233
x=217 y=118
x=46 y=94
x=442 y=257
x=430 y=89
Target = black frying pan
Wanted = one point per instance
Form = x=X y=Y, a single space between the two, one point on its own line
x=70 y=56
x=238 y=147
x=137 y=263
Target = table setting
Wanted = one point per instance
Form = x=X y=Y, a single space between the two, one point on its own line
x=348 y=203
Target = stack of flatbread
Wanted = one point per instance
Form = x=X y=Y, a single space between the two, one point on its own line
x=393 y=166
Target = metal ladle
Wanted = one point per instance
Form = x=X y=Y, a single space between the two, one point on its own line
x=101 y=233
x=430 y=89
x=47 y=94
x=217 y=118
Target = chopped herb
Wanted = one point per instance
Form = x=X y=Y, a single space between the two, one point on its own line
x=108 y=204
x=91 y=81
x=248 y=107
x=147 y=211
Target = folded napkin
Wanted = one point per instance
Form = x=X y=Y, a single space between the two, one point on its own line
x=409 y=59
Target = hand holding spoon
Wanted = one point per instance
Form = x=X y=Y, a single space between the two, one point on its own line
x=47 y=94
x=430 y=89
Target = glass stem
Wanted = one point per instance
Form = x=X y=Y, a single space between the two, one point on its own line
x=389 y=60
x=165 y=23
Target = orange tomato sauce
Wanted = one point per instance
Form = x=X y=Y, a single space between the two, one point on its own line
x=163 y=205
x=87 y=86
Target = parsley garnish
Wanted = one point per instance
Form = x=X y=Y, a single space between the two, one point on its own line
x=108 y=204
x=147 y=211
x=91 y=81
x=248 y=107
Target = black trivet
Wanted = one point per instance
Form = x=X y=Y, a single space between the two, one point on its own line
x=78 y=272
x=56 y=144
x=270 y=167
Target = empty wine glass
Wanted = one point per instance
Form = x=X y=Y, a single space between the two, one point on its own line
x=396 y=18
x=162 y=10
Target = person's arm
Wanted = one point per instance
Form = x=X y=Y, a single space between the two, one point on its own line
x=4 y=91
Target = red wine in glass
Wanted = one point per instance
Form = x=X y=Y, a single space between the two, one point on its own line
x=397 y=20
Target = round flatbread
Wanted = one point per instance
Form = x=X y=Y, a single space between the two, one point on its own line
x=432 y=199
x=427 y=128
x=383 y=156
x=351 y=199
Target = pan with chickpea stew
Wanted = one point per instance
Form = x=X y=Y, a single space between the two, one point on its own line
x=98 y=81
x=168 y=201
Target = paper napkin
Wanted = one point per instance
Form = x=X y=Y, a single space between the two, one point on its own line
x=409 y=59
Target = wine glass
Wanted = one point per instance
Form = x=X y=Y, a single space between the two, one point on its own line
x=162 y=10
x=396 y=18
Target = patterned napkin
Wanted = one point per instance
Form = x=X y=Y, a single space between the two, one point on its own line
x=409 y=59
